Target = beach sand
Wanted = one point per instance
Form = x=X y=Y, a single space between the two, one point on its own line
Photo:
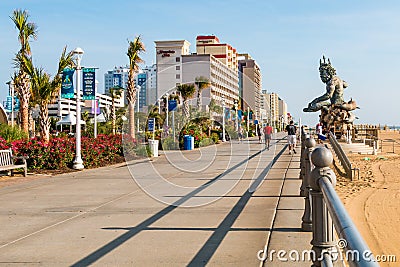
x=373 y=202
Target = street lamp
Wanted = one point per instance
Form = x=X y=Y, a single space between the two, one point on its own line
x=137 y=103
x=166 y=108
x=236 y=116
x=223 y=119
x=78 y=163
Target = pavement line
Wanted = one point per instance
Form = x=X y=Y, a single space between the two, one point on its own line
x=209 y=248
x=71 y=218
x=105 y=249
x=274 y=216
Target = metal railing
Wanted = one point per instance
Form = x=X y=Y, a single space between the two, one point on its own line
x=324 y=211
x=341 y=155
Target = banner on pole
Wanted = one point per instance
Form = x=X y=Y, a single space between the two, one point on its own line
x=67 y=85
x=172 y=104
x=95 y=107
x=8 y=104
x=240 y=114
x=227 y=113
x=150 y=124
x=89 y=83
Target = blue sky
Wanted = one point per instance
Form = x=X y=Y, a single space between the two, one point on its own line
x=287 y=39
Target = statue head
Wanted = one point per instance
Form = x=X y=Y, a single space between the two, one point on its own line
x=326 y=71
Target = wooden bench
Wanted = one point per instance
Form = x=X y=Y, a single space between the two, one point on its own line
x=9 y=162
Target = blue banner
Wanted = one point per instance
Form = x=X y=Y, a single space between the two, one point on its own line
x=227 y=113
x=67 y=85
x=172 y=104
x=150 y=124
x=240 y=115
x=8 y=104
x=89 y=83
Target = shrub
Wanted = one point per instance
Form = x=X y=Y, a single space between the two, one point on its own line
x=59 y=152
x=215 y=137
x=10 y=133
x=169 y=143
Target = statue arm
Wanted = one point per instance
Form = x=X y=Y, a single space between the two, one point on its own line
x=330 y=89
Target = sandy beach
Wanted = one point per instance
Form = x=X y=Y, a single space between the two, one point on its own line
x=374 y=200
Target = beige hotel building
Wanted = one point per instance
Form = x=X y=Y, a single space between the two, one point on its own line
x=213 y=60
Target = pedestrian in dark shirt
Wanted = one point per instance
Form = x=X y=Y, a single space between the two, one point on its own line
x=291 y=138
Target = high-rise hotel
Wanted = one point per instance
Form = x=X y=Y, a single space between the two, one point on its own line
x=213 y=60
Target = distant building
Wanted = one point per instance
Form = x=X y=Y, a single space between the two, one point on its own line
x=62 y=106
x=264 y=106
x=169 y=64
x=273 y=101
x=224 y=81
x=210 y=44
x=250 y=84
x=283 y=111
x=116 y=77
x=151 y=84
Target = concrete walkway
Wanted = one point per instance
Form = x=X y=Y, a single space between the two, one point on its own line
x=222 y=205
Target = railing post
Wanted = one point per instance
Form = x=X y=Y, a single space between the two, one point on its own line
x=306 y=224
x=322 y=226
x=304 y=136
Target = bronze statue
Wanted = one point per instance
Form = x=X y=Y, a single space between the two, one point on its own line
x=335 y=112
x=334 y=89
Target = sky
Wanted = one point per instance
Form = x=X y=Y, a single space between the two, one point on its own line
x=286 y=38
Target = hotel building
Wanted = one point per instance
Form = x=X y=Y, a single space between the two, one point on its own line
x=250 y=84
x=169 y=64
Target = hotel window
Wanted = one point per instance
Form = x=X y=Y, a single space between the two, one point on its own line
x=178 y=76
x=178 y=59
x=178 y=67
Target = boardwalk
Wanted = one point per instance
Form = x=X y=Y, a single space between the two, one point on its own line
x=218 y=206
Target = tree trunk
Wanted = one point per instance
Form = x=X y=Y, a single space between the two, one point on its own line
x=44 y=123
x=199 y=100
x=24 y=94
x=131 y=97
x=131 y=119
x=186 y=112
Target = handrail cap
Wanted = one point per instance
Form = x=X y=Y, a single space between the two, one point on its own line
x=321 y=157
x=310 y=142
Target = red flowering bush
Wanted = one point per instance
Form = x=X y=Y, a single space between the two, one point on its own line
x=59 y=152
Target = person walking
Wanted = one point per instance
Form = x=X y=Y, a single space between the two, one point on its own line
x=259 y=133
x=319 y=132
x=240 y=134
x=267 y=135
x=291 y=138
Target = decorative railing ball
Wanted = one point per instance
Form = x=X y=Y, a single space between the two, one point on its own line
x=310 y=142
x=322 y=158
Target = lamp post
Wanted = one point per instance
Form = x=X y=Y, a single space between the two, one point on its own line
x=95 y=109
x=137 y=104
x=236 y=116
x=166 y=109
x=78 y=163
x=223 y=119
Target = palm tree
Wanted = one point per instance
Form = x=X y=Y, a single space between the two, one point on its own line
x=134 y=49
x=26 y=31
x=44 y=90
x=114 y=92
x=201 y=83
x=186 y=91
x=153 y=113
